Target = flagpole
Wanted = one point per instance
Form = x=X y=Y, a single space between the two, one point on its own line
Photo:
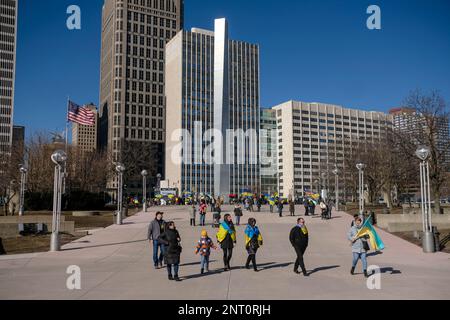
x=66 y=145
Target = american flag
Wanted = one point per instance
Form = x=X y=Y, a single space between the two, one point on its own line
x=80 y=115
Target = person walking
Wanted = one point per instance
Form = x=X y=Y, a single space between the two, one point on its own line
x=204 y=248
x=299 y=238
x=258 y=204
x=292 y=208
x=227 y=239
x=359 y=246
x=202 y=212
x=171 y=239
x=253 y=240
x=193 y=213
x=238 y=214
x=306 y=205
x=157 y=227
x=280 y=208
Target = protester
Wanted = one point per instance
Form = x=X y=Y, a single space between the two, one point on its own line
x=227 y=238
x=299 y=239
x=202 y=212
x=306 y=205
x=292 y=208
x=238 y=214
x=204 y=248
x=156 y=227
x=280 y=208
x=193 y=213
x=359 y=246
x=253 y=240
x=258 y=204
x=171 y=239
x=355 y=216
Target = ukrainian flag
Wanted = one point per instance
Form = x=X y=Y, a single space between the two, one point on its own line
x=250 y=232
x=374 y=239
x=224 y=229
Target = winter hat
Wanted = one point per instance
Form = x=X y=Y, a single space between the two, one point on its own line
x=204 y=233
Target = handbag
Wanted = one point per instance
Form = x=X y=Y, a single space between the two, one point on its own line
x=366 y=246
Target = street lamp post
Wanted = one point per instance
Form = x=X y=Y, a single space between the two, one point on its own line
x=361 y=166
x=324 y=191
x=59 y=158
x=23 y=174
x=144 y=174
x=336 y=187
x=318 y=185
x=120 y=168
x=423 y=154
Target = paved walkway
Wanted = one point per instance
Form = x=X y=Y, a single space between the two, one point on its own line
x=116 y=263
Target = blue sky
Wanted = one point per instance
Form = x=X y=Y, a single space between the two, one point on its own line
x=311 y=50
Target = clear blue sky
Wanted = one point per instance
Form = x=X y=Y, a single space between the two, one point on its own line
x=311 y=50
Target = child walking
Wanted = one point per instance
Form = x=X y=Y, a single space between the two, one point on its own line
x=204 y=248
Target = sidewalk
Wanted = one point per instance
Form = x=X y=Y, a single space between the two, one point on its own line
x=116 y=263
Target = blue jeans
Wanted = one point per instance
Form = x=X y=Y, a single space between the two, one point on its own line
x=362 y=256
x=204 y=262
x=173 y=267
x=202 y=219
x=157 y=259
x=238 y=220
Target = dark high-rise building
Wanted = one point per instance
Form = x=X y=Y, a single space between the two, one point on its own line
x=8 y=36
x=132 y=107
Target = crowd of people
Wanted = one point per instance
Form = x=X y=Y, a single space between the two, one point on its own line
x=166 y=240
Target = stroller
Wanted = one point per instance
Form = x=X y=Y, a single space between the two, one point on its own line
x=216 y=220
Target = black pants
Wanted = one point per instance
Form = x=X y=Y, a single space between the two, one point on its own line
x=227 y=254
x=251 y=258
x=192 y=222
x=299 y=262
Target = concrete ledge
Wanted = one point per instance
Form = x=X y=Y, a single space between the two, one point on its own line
x=29 y=219
x=85 y=213
x=410 y=222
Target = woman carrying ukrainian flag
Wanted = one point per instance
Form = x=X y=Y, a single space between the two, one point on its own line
x=253 y=240
x=226 y=236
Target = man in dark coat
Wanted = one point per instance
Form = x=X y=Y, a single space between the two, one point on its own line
x=171 y=239
x=299 y=240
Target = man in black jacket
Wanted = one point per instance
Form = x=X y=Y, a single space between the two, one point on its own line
x=299 y=240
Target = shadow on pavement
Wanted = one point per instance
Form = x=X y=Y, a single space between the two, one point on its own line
x=376 y=253
x=278 y=265
x=101 y=245
x=390 y=270
x=323 y=269
x=194 y=263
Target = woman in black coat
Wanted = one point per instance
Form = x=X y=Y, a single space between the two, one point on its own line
x=171 y=239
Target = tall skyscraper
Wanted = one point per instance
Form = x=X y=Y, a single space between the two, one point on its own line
x=212 y=96
x=132 y=108
x=8 y=38
x=269 y=151
x=85 y=137
x=313 y=138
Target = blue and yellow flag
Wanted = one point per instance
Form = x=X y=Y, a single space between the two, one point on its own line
x=224 y=229
x=374 y=239
x=250 y=233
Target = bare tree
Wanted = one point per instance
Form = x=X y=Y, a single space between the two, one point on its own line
x=432 y=130
x=10 y=176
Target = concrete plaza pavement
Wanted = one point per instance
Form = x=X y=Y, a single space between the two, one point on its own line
x=116 y=263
